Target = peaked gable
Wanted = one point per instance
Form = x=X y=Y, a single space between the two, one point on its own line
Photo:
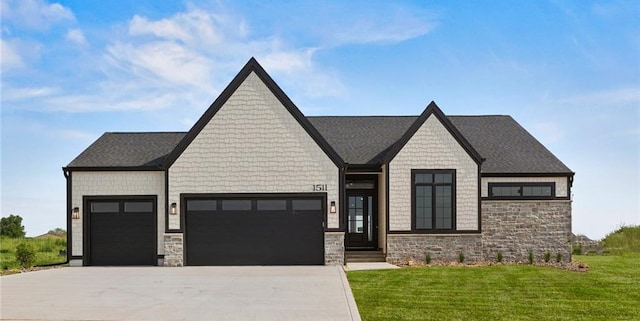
x=433 y=109
x=253 y=66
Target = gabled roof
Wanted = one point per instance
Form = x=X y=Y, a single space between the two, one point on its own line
x=253 y=66
x=432 y=110
x=506 y=147
x=128 y=150
x=499 y=143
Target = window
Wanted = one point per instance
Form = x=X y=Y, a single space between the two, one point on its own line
x=103 y=207
x=272 y=205
x=306 y=205
x=138 y=207
x=201 y=205
x=236 y=205
x=433 y=198
x=522 y=190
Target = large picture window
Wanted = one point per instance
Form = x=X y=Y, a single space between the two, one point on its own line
x=433 y=198
x=532 y=191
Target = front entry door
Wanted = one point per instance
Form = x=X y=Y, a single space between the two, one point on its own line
x=361 y=220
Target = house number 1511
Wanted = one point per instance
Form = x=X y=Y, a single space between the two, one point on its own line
x=320 y=187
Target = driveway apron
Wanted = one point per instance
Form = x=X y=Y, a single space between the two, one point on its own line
x=185 y=293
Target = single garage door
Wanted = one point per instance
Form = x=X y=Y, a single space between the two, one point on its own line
x=277 y=230
x=122 y=232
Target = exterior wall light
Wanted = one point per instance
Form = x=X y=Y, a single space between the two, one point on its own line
x=332 y=208
x=174 y=209
x=75 y=214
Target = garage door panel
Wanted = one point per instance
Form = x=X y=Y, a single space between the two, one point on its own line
x=255 y=237
x=122 y=238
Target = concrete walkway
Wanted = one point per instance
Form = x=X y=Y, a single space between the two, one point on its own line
x=369 y=266
x=188 y=293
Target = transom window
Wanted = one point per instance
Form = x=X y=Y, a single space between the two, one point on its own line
x=523 y=190
x=433 y=198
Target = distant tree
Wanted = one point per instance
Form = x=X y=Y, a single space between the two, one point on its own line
x=57 y=231
x=12 y=226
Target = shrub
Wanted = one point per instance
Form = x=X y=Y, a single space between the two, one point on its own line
x=61 y=242
x=558 y=257
x=547 y=257
x=427 y=258
x=531 y=257
x=25 y=255
x=577 y=250
x=499 y=258
x=46 y=247
x=461 y=257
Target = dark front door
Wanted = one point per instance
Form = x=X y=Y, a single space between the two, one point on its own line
x=361 y=220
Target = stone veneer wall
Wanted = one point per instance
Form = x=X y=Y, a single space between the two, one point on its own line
x=516 y=227
x=511 y=227
x=334 y=248
x=173 y=249
x=443 y=247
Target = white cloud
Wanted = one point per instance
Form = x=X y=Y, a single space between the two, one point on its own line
x=26 y=93
x=375 y=23
x=178 y=61
x=624 y=95
x=10 y=57
x=35 y=14
x=164 y=59
x=77 y=36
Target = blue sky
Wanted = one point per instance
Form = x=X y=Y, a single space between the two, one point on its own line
x=568 y=71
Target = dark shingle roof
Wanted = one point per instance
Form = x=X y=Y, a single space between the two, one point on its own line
x=128 y=150
x=364 y=140
x=506 y=146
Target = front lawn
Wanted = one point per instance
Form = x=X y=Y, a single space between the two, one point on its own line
x=609 y=291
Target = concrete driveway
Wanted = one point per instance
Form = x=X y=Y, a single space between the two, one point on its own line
x=187 y=293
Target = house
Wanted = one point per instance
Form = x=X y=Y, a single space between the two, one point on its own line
x=255 y=182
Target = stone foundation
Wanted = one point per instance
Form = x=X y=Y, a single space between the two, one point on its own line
x=173 y=249
x=517 y=227
x=334 y=248
x=443 y=247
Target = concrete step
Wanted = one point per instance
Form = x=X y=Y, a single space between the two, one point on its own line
x=364 y=256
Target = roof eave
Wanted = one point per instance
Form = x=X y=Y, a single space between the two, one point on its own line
x=111 y=168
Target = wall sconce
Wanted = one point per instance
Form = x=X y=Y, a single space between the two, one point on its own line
x=75 y=214
x=174 y=209
x=332 y=208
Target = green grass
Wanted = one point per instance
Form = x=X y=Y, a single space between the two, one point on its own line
x=624 y=240
x=47 y=250
x=609 y=291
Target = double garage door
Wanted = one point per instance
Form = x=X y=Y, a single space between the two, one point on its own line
x=282 y=229
x=240 y=230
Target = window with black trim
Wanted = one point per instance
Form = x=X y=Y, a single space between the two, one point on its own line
x=532 y=191
x=433 y=200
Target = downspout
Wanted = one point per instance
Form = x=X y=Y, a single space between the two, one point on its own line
x=67 y=176
x=343 y=192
